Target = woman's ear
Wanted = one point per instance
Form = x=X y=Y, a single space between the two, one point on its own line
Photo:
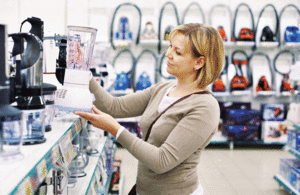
x=200 y=62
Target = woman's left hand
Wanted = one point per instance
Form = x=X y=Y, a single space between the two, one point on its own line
x=101 y=120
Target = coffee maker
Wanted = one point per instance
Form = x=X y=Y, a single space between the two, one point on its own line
x=10 y=117
x=27 y=85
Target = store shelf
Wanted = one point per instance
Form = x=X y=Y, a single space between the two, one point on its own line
x=244 y=43
x=83 y=184
x=221 y=94
x=291 y=151
x=286 y=185
x=268 y=44
x=297 y=126
x=27 y=174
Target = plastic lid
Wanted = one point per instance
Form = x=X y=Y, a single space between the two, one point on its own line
x=48 y=88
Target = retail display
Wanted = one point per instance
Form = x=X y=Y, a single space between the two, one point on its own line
x=61 y=63
x=149 y=32
x=145 y=75
x=267 y=35
x=48 y=90
x=74 y=94
x=284 y=84
x=291 y=34
x=10 y=117
x=247 y=82
x=242 y=124
x=240 y=81
x=220 y=26
x=220 y=84
x=245 y=33
x=273 y=112
x=49 y=97
x=187 y=10
x=262 y=76
x=124 y=27
x=125 y=80
x=123 y=32
x=274 y=132
x=28 y=86
x=160 y=23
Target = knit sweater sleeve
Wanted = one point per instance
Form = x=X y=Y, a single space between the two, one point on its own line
x=120 y=107
x=192 y=132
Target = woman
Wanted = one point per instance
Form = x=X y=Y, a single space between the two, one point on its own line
x=168 y=159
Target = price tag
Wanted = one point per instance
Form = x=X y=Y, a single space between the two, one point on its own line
x=66 y=148
x=34 y=180
x=83 y=121
x=25 y=188
x=55 y=154
x=78 y=126
x=95 y=186
x=41 y=170
x=74 y=131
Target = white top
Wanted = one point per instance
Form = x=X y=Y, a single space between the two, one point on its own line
x=165 y=103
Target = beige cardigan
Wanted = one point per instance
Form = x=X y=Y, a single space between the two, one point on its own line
x=168 y=160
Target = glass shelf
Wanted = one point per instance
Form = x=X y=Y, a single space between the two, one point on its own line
x=282 y=182
x=31 y=171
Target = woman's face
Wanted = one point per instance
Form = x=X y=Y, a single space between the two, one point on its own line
x=181 y=62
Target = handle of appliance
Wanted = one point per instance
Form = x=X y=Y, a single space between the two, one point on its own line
x=216 y=6
x=160 y=21
x=187 y=9
x=141 y=54
x=33 y=49
x=234 y=20
x=246 y=59
x=113 y=19
x=279 y=54
x=258 y=20
x=280 y=15
x=269 y=63
x=132 y=71
x=37 y=27
x=18 y=47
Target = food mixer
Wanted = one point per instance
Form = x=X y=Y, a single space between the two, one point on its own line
x=74 y=94
x=27 y=92
x=10 y=117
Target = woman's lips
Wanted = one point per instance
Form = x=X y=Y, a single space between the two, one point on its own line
x=169 y=64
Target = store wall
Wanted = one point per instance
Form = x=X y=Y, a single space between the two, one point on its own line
x=58 y=14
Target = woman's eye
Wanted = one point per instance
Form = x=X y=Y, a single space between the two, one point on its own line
x=178 y=53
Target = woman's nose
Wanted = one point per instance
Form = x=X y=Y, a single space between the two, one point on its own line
x=168 y=55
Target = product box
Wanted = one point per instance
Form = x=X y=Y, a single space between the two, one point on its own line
x=286 y=166
x=273 y=112
x=291 y=139
x=243 y=117
x=295 y=178
x=274 y=131
x=297 y=145
x=240 y=132
x=224 y=106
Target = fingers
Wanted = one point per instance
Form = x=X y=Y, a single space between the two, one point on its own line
x=85 y=115
x=96 y=110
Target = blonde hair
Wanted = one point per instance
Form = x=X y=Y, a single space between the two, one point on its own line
x=205 y=41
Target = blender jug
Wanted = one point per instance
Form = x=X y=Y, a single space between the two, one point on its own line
x=74 y=94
